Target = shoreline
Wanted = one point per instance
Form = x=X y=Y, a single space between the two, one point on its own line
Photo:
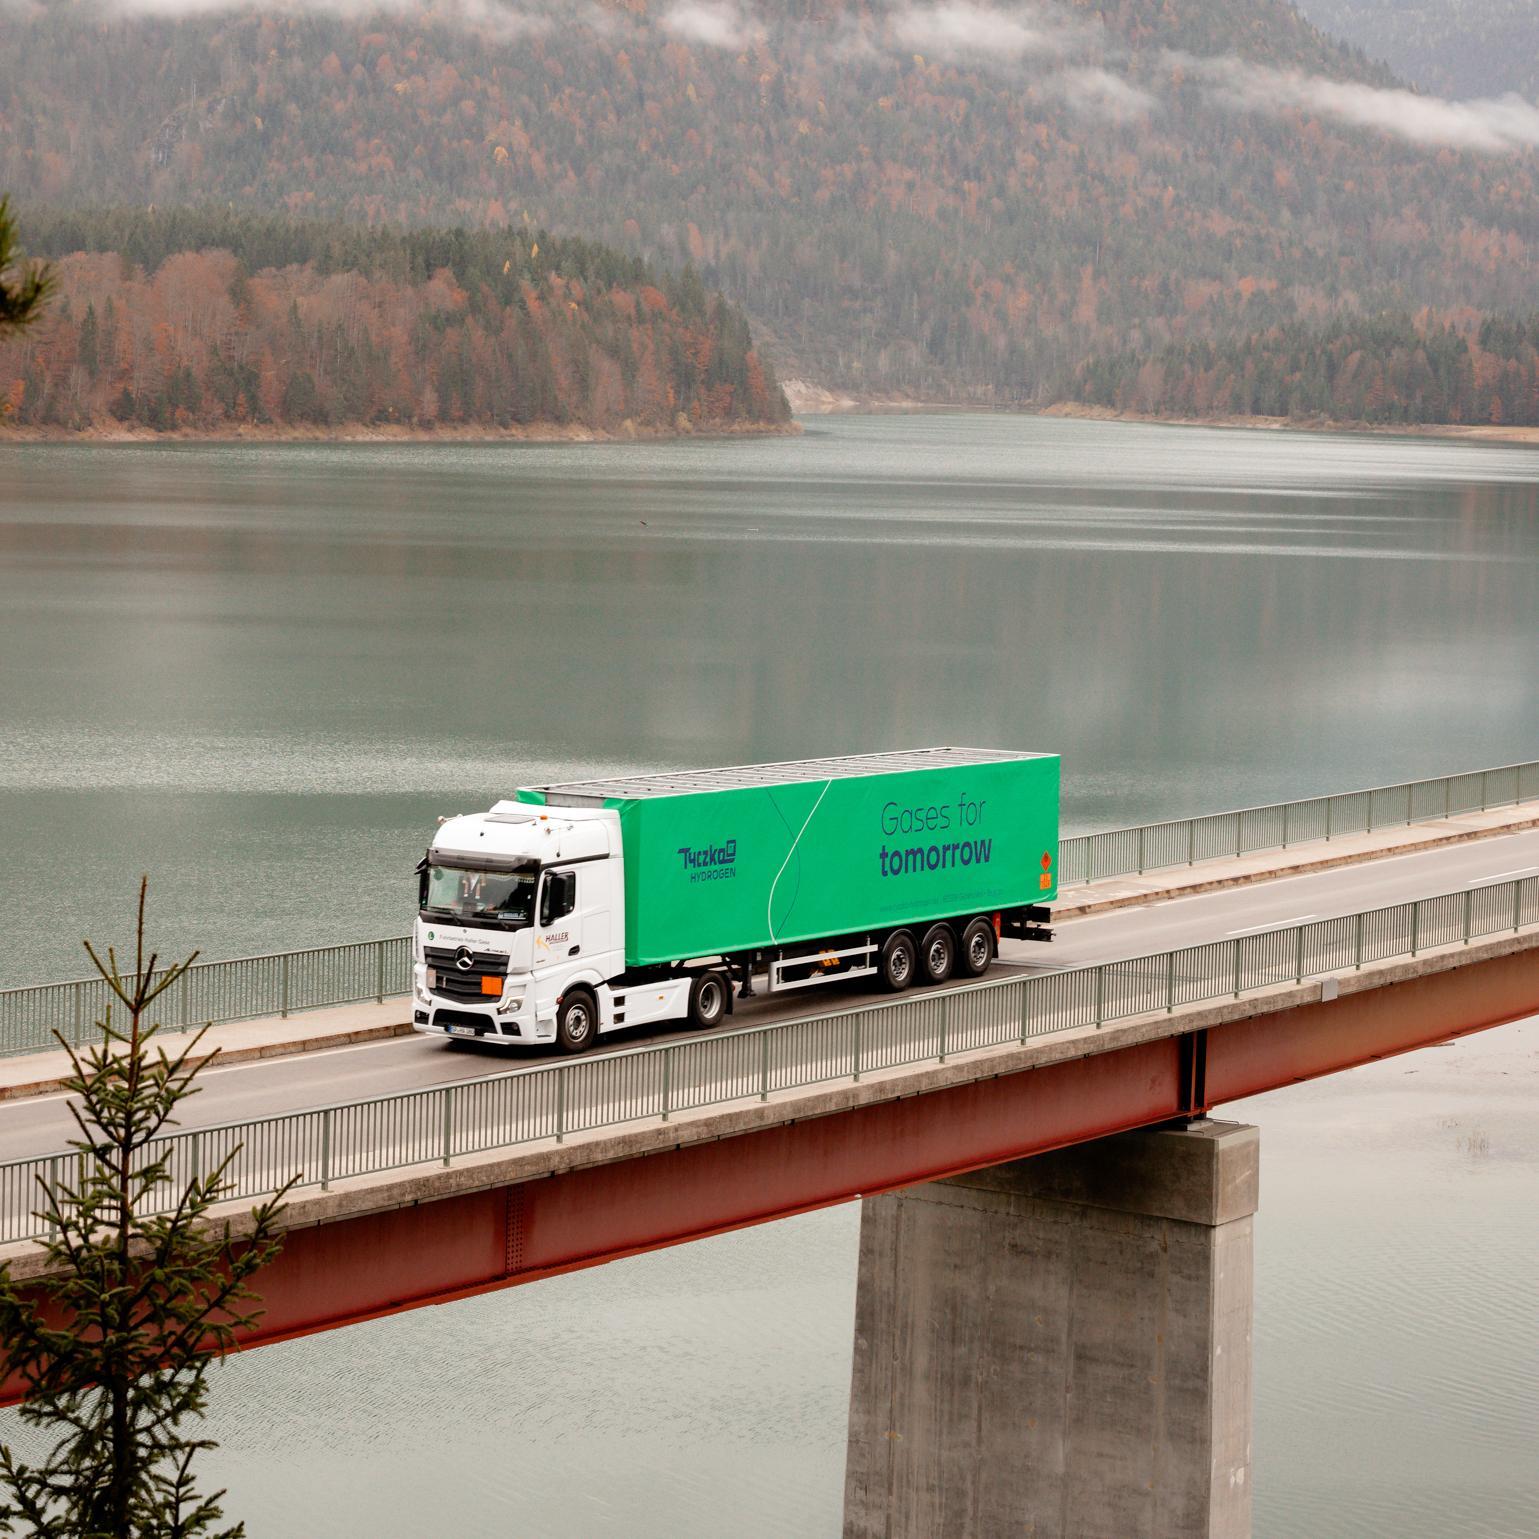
x=1464 y=431
x=826 y=404
x=360 y=433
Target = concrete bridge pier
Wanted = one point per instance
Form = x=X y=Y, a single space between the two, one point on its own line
x=1060 y=1347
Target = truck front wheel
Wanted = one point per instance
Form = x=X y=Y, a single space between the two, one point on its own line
x=576 y=1022
x=707 y=1001
x=897 y=961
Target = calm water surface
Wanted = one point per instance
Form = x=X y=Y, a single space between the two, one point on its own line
x=261 y=672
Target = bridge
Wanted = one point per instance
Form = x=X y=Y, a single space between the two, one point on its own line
x=1054 y=1296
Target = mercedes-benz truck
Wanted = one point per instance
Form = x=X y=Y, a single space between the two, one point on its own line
x=572 y=910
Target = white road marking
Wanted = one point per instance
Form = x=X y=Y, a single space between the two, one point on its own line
x=1480 y=881
x=1272 y=924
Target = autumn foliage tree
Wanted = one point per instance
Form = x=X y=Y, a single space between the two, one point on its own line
x=219 y=321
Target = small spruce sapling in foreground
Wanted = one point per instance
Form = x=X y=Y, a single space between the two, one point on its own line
x=142 y=1292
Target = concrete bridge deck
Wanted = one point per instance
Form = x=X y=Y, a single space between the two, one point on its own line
x=1150 y=1080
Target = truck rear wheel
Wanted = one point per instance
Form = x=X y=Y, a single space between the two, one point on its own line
x=977 y=947
x=897 y=961
x=707 y=1001
x=937 y=953
x=577 y=1022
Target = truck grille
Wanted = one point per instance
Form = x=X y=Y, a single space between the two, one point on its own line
x=451 y=981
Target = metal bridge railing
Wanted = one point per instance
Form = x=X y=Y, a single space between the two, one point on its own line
x=214 y=992
x=286 y=981
x=1225 y=835
x=555 y=1100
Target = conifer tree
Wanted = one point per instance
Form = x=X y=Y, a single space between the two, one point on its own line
x=143 y=1290
x=22 y=288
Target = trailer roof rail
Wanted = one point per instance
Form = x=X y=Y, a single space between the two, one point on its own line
x=790 y=772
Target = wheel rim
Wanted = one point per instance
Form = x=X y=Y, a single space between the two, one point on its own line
x=940 y=958
x=978 y=952
x=710 y=1001
x=577 y=1022
x=898 y=966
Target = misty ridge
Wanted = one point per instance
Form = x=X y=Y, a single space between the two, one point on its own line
x=933 y=199
x=1040 y=46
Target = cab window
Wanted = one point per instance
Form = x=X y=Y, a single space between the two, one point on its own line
x=558 y=897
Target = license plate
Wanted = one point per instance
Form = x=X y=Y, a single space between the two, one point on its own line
x=462 y=1031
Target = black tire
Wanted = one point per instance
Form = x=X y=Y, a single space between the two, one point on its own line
x=977 y=950
x=898 y=962
x=577 y=1021
x=937 y=954
x=708 y=1001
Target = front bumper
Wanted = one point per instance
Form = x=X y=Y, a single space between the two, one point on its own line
x=437 y=1017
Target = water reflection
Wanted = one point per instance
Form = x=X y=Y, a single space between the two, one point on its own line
x=195 y=640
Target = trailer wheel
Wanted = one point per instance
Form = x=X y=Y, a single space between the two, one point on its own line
x=577 y=1022
x=977 y=948
x=897 y=961
x=707 y=1001
x=937 y=953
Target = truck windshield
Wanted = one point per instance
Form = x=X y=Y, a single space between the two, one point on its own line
x=501 y=898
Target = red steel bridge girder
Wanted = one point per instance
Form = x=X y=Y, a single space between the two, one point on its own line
x=365 y=1267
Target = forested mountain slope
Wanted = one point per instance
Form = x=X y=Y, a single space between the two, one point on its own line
x=1466 y=48
x=219 y=321
x=945 y=199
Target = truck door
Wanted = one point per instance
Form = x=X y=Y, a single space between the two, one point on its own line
x=557 y=938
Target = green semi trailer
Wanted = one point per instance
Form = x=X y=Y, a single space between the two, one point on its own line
x=574 y=909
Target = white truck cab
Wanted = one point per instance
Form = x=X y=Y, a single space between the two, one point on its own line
x=517 y=906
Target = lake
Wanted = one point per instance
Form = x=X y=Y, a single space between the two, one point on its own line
x=261 y=672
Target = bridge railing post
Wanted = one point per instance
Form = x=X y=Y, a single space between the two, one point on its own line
x=1358 y=962
x=448 y=1101
x=764 y=1066
x=1415 y=926
x=379 y=972
x=1170 y=982
x=1469 y=904
x=53 y=1187
x=283 y=984
x=667 y=1078
x=1237 y=969
x=1100 y=994
x=1299 y=957
x=856 y=1050
x=326 y=1149
x=560 y=1105
x=1517 y=905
